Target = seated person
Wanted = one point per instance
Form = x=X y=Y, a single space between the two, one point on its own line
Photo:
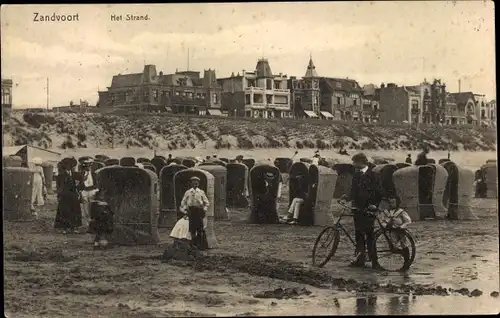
x=399 y=219
x=101 y=220
x=301 y=194
x=480 y=188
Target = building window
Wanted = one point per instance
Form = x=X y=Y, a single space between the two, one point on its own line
x=269 y=84
x=251 y=83
x=247 y=99
x=269 y=99
x=355 y=102
x=414 y=105
x=155 y=95
x=282 y=100
x=277 y=84
x=215 y=98
x=177 y=93
x=258 y=98
x=189 y=95
x=338 y=100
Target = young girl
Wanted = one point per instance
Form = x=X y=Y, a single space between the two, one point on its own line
x=101 y=220
x=399 y=219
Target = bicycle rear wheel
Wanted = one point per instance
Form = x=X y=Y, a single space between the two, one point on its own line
x=394 y=249
x=325 y=246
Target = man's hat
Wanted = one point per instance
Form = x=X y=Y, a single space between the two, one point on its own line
x=69 y=162
x=195 y=178
x=360 y=157
x=86 y=160
x=239 y=157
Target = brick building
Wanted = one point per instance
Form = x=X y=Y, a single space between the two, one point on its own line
x=258 y=94
x=181 y=92
x=341 y=97
x=423 y=103
x=6 y=93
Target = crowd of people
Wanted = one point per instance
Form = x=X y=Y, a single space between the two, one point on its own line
x=82 y=205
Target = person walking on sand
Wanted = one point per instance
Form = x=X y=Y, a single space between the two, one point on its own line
x=69 y=214
x=39 y=188
x=87 y=187
x=195 y=205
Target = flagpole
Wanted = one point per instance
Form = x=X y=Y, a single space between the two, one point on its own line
x=47 y=93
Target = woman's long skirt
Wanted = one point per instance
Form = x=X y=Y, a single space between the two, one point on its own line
x=69 y=213
x=37 y=196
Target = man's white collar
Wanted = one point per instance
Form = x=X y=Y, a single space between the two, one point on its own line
x=365 y=169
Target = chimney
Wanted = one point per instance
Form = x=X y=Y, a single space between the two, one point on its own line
x=459 y=82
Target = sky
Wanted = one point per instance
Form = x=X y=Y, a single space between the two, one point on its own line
x=372 y=42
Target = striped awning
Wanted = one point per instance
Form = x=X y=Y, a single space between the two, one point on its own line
x=310 y=114
x=327 y=114
x=214 y=112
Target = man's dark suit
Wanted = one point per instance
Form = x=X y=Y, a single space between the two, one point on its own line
x=365 y=191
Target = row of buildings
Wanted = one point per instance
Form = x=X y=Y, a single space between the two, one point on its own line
x=263 y=94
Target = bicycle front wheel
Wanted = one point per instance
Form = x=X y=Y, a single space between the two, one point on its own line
x=394 y=249
x=325 y=246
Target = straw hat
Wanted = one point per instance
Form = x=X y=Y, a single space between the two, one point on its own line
x=37 y=161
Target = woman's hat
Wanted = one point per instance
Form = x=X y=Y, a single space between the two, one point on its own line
x=37 y=161
x=86 y=160
x=195 y=178
x=69 y=163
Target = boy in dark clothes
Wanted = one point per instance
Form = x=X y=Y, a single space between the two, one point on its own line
x=101 y=220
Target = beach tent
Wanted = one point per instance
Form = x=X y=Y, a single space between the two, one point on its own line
x=345 y=172
x=28 y=152
x=237 y=185
x=320 y=183
x=132 y=194
x=459 y=192
x=264 y=180
x=17 y=193
x=168 y=211
x=220 y=182
x=421 y=190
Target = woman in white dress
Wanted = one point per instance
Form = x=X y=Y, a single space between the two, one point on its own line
x=39 y=187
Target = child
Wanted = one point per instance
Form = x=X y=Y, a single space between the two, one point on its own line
x=101 y=220
x=399 y=219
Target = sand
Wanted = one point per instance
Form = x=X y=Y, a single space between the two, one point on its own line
x=49 y=274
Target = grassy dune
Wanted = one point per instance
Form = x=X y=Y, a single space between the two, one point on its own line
x=172 y=132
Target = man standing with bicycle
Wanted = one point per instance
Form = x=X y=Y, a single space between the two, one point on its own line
x=365 y=191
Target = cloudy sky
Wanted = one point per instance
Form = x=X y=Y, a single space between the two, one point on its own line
x=400 y=42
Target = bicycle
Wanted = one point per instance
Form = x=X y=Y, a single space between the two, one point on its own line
x=384 y=234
